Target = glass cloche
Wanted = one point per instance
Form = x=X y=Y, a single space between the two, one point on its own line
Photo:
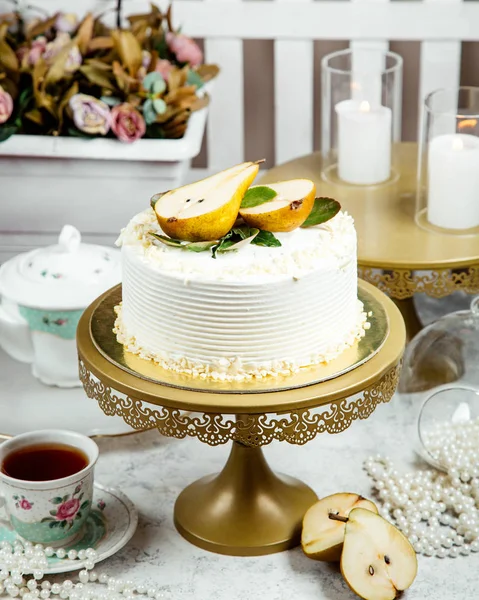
x=439 y=386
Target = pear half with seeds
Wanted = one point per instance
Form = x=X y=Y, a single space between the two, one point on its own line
x=378 y=561
x=288 y=210
x=205 y=210
x=322 y=538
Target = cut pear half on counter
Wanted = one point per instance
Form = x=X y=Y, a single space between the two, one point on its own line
x=205 y=210
x=322 y=538
x=378 y=561
x=288 y=210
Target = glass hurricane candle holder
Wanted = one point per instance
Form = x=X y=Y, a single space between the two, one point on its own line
x=361 y=115
x=448 y=428
x=439 y=386
x=448 y=162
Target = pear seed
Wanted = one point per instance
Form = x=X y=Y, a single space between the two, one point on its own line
x=387 y=560
x=202 y=200
x=371 y=570
x=188 y=200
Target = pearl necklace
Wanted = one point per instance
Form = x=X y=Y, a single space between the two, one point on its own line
x=21 y=557
x=437 y=510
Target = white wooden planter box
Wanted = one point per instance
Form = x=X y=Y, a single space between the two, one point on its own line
x=96 y=185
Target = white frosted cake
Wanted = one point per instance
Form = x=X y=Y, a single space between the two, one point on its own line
x=251 y=313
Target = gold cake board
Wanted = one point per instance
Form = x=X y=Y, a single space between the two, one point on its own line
x=246 y=510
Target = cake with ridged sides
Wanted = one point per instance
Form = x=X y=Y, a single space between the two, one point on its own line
x=236 y=310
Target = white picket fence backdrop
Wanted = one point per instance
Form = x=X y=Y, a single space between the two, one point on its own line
x=440 y=26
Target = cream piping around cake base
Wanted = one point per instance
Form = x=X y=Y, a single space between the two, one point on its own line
x=232 y=369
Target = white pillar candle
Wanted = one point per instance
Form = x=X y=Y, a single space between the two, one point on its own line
x=364 y=142
x=453 y=181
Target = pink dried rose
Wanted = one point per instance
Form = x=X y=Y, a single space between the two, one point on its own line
x=185 y=49
x=6 y=105
x=127 y=123
x=68 y=510
x=24 y=504
x=90 y=115
x=163 y=67
x=29 y=56
x=66 y=22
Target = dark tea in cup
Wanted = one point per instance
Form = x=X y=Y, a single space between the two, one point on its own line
x=44 y=462
x=46 y=484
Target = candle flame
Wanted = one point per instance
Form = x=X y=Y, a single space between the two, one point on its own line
x=364 y=106
x=457 y=144
x=465 y=123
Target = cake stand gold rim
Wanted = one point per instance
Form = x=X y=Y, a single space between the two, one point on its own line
x=265 y=402
x=102 y=324
x=443 y=265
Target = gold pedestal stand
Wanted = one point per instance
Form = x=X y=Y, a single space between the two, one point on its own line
x=395 y=254
x=246 y=510
x=246 y=503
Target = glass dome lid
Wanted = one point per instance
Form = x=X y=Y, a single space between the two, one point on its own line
x=439 y=385
x=444 y=352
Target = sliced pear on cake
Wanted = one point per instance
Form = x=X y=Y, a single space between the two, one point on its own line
x=286 y=210
x=322 y=538
x=378 y=561
x=205 y=210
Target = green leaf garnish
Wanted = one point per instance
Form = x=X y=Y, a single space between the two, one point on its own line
x=266 y=238
x=166 y=240
x=258 y=195
x=243 y=231
x=200 y=246
x=235 y=235
x=235 y=239
x=242 y=236
x=192 y=246
x=323 y=210
x=230 y=245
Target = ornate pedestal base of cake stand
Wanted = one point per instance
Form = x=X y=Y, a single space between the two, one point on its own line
x=394 y=253
x=244 y=510
x=247 y=509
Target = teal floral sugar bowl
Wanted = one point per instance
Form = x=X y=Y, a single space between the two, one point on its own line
x=43 y=294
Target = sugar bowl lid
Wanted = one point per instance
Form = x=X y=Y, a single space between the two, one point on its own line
x=66 y=276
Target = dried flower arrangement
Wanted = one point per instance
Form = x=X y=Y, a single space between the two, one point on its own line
x=62 y=77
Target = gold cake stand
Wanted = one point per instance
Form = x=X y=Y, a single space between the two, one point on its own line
x=247 y=509
x=394 y=253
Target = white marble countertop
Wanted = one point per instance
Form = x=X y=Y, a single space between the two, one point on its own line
x=152 y=470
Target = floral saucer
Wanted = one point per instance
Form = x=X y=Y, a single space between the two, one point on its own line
x=109 y=526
